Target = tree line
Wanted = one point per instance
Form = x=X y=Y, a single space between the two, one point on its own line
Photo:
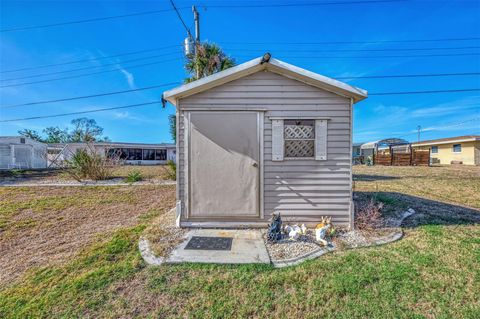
x=83 y=130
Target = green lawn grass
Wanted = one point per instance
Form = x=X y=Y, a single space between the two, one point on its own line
x=433 y=272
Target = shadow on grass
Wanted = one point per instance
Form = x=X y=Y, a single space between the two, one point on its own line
x=33 y=174
x=428 y=212
x=372 y=178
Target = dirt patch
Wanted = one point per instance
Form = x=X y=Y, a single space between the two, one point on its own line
x=44 y=226
x=163 y=235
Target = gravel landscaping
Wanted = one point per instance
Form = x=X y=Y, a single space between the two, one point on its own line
x=287 y=249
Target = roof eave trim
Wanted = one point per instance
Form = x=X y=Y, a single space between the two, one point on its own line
x=213 y=80
x=318 y=80
x=273 y=65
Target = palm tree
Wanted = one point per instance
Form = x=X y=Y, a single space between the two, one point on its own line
x=209 y=59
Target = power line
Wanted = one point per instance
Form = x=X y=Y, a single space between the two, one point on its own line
x=450 y=124
x=80 y=112
x=426 y=92
x=181 y=19
x=364 y=42
x=306 y=4
x=57 y=24
x=358 y=50
x=93 y=95
x=375 y=56
x=89 y=67
x=173 y=83
x=140 y=104
x=246 y=50
x=89 y=60
x=88 y=74
x=405 y=75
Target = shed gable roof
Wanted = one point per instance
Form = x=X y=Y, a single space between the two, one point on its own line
x=273 y=65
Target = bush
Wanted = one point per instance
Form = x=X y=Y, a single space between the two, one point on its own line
x=134 y=176
x=86 y=163
x=172 y=170
x=369 y=216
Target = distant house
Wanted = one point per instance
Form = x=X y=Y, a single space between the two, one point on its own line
x=453 y=150
x=129 y=153
x=264 y=137
x=18 y=152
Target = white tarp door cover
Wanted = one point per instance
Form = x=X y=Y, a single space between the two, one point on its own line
x=224 y=165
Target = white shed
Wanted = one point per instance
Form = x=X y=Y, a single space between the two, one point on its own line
x=264 y=137
x=18 y=152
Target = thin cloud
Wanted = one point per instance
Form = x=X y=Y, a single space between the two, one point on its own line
x=129 y=77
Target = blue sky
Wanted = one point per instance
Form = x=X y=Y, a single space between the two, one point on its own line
x=244 y=33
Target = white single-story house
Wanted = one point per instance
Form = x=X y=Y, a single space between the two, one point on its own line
x=129 y=153
x=263 y=137
x=18 y=152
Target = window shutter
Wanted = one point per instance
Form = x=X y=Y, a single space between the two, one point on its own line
x=321 y=140
x=277 y=140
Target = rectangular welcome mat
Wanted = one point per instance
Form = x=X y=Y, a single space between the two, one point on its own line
x=210 y=243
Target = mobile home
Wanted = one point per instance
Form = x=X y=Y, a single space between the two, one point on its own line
x=19 y=152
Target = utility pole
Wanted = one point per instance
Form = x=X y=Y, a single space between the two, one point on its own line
x=196 y=18
x=418 y=132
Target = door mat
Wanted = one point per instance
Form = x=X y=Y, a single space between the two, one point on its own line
x=209 y=243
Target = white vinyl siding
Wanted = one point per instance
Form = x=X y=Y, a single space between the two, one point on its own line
x=302 y=190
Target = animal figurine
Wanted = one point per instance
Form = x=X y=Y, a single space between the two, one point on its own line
x=293 y=232
x=321 y=230
x=304 y=229
x=274 y=232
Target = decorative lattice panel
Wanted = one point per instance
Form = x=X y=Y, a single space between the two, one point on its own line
x=299 y=132
x=299 y=148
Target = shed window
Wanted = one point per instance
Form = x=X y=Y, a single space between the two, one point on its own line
x=299 y=137
x=457 y=148
x=434 y=149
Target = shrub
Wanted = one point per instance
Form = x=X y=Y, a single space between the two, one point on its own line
x=134 y=176
x=171 y=170
x=369 y=216
x=86 y=163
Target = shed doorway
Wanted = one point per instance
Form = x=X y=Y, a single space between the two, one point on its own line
x=224 y=164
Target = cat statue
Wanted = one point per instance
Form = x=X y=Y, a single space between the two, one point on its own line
x=321 y=230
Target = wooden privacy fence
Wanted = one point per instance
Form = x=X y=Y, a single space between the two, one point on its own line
x=411 y=157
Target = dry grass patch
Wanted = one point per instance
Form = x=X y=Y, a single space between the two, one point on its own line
x=47 y=225
x=451 y=184
x=153 y=172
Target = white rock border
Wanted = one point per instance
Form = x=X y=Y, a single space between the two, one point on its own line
x=147 y=253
